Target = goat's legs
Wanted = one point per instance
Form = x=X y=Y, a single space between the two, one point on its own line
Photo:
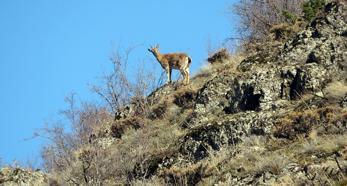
x=187 y=75
x=168 y=73
x=183 y=73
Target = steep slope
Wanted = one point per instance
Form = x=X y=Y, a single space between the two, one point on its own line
x=276 y=116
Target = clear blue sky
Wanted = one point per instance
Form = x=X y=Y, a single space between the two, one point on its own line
x=50 y=48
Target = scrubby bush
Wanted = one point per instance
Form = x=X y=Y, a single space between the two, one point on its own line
x=311 y=8
x=285 y=30
x=257 y=17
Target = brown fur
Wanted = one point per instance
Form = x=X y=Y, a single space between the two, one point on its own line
x=179 y=61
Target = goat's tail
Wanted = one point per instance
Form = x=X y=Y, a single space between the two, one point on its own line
x=189 y=60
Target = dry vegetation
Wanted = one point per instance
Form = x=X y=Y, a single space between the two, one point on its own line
x=219 y=62
x=335 y=90
x=141 y=142
x=261 y=21
x=258 y=17
x=73 y=156
x=326 y=120
x=262 y=157
x=147 y=134
x=124 y=141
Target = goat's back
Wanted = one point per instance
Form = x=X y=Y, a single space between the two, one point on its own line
x=177 y=60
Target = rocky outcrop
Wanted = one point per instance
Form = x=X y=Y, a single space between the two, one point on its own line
x=18 y=176
x=270 y=84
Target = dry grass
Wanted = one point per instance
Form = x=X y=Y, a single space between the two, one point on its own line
x=283 y=31
x=252 y=160
x=253 y=157
x=325 y=120
x=154 y=181
x=335 y=91
x=156 y=138
x=208 y=71
x=135 y=157
x=232 y=161
x=322 y=145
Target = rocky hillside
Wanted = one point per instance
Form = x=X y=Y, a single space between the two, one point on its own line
x=275 y=116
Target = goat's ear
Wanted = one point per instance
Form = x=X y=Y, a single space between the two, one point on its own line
x=149 y=50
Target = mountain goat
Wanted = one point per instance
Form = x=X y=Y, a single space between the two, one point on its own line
x=179 y=61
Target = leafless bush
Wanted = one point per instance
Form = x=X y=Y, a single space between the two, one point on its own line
x=66 y=137
x=119 y=88
x=258 y=16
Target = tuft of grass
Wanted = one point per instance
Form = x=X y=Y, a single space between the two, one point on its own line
x=228 y=65
x=154 y=181
x=335 y=91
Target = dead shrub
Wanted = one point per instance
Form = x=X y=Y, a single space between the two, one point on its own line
x=158 y=111
x=83 y=119
x=220 y=56
x=120 y=126
x=190 y=175
x=185 y=99
x=326 y=120
x=282 y=31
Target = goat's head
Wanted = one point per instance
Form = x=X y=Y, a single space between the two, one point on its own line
x=154 y=49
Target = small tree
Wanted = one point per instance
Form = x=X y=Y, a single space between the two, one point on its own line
x=71 y=133
x=311 y=8
x=258 y=16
